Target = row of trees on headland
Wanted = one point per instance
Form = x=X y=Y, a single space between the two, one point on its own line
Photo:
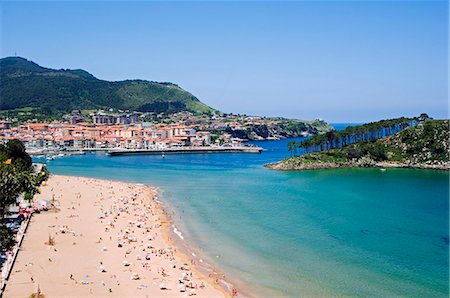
x=354 y=134
x=16 y=178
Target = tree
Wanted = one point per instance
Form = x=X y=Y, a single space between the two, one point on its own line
x=291 y=146
x=295 y=145
x=7 y=239
x=15 y=178
x=354 y=153
x=424 y=117
x=377 y=152
x=15 y=150
x=13 y=182
x=354 y=134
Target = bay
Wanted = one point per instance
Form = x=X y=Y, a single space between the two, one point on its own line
x=351 y=232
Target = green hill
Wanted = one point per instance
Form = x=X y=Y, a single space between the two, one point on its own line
x=25 y=84
x=425 y=146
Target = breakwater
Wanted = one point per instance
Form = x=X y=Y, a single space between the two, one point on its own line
x=182 y=150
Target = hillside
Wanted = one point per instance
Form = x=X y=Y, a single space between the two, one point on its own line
x=423 y=146
x=25 y=84
x=280 y=128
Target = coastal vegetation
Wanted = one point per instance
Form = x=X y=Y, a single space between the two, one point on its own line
x=425 y=145
x=16 y=178
x=275 y=129
x=292 y=147
x=354 y=134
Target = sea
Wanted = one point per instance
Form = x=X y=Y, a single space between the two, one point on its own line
x=336 y=232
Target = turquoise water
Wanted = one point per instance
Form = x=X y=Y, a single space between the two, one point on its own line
x=359 y=232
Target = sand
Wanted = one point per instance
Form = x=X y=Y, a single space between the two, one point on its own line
x=92 y=219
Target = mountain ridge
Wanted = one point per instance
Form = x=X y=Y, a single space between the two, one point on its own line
x=24 y=83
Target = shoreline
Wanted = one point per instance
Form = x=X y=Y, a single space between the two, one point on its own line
x=163 y=224
x=287 y=166
x=217 y=278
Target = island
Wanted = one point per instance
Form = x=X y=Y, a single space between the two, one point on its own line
x=420 y=142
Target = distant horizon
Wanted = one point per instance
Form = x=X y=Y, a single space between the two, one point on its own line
x=339 y=61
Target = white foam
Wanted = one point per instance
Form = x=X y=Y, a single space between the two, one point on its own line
x=178 y=233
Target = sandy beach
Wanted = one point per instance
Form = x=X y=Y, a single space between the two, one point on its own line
x=105 y=238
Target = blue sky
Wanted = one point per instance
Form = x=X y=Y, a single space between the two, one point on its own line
x=342 y=61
